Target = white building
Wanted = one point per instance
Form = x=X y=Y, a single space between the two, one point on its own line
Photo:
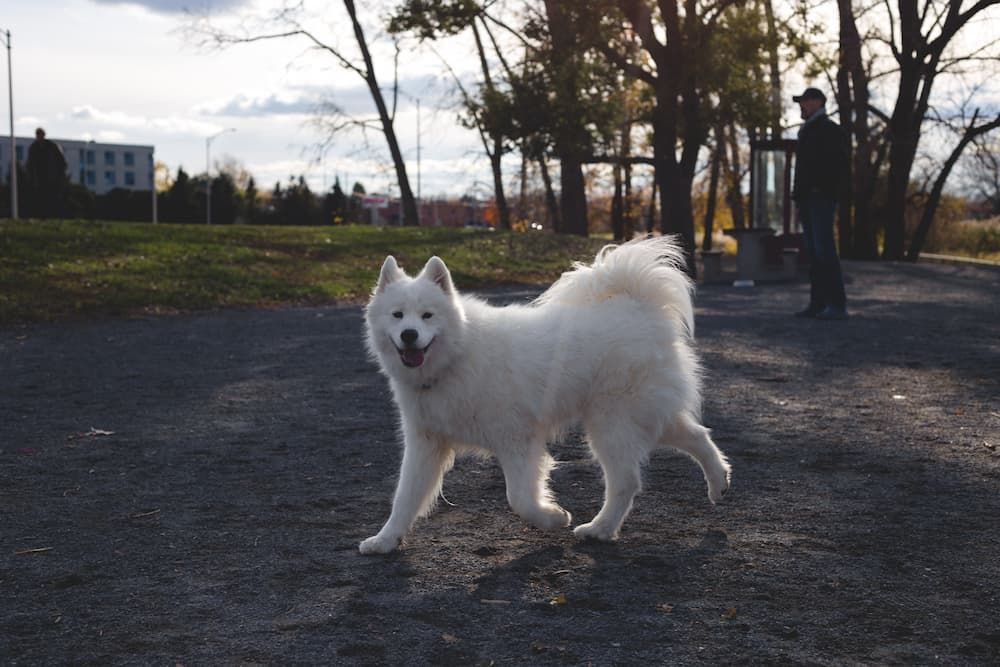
x=96 y=166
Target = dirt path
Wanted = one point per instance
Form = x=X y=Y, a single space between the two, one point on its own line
x=251 y=451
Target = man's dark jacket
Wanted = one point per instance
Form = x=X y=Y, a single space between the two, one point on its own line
x=46 y=165
x=820 y=160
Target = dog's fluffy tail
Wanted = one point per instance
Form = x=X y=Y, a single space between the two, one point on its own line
x=648 y=270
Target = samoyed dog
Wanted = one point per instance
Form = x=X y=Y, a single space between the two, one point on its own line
x=608 y=346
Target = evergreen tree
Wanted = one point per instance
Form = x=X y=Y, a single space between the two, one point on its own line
x=251 y=212
x=225 y=199
x=335 y=205
x=181 y=201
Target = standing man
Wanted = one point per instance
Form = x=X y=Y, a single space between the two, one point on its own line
x=820 y=175
x=46 y=176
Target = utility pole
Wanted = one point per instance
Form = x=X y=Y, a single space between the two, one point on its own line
x=153 y=188
x=418 y=153
x=13 y=147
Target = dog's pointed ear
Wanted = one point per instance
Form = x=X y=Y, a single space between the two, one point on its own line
x=390 y=273
x=438 y=273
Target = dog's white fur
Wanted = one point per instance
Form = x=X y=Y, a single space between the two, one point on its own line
x=608 y=345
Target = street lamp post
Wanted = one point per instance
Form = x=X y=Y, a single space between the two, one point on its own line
x=13 y=148
x=208 y=172
x=418 y=153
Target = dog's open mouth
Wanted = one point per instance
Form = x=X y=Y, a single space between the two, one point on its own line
x=413 y=357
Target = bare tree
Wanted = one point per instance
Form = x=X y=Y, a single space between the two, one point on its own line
x=431 y=19
x=982 y=175
x=207 y=33
x=921 y=37
x=858 y=232
x=972 y=130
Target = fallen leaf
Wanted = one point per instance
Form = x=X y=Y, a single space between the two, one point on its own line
x=92 y=433
x=449 y=639
x=729 y=613
x=665 y=608
x=558 y=600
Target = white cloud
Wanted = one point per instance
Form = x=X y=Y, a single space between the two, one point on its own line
x=180 y=6
x=308 y=99
x=167 y=124
x=32 y=121
x=270 y=105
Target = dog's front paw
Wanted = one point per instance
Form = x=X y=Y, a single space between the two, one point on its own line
x=554 y=517
x=595 y=531
x=719 y=483
x=378 y=544
x=547 y=517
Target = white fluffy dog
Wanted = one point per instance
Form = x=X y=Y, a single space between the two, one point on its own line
x=608 y=345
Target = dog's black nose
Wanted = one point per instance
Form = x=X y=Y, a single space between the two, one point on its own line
x=409 y=336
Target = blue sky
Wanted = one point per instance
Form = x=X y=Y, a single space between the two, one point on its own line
x=123 y=72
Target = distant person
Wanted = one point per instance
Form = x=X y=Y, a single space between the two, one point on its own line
x=46 y=176
x=820 y=175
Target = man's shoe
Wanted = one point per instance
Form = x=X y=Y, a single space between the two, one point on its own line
x=832 y=313
x=811 y=311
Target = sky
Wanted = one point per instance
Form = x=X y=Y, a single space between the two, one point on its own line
x=125 y=71
x=122 y=71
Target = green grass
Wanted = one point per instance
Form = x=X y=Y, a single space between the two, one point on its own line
x=54 y=270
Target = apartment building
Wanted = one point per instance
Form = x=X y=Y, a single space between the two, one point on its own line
x=97 y=166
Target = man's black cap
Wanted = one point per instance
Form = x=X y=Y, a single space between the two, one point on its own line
x=810 y=94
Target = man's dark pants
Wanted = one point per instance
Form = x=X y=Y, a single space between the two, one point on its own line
x=827 y=281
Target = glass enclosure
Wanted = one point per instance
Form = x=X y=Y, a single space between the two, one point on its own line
x=769 y=191
x=771 y=206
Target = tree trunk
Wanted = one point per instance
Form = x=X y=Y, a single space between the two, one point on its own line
x=713 y=189
x=503 y=210
x=774 y=65
x=496 y=154
x=901 y=156
x=572 y=193
x=845 y=104
x=651 y=213
x=617 y=207
x=552 y=205
x=628 y=215
x=570 y=139
x=522 y=201
x=734 y=177
x=407 y=201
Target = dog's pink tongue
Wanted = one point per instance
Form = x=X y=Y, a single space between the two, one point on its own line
x=413 y=358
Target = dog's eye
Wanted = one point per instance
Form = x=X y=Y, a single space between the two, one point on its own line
x=427 y=316
x=398 y=314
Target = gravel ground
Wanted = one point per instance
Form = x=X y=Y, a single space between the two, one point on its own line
x=192 y=489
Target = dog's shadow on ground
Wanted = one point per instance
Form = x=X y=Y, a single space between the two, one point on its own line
x=593 y=570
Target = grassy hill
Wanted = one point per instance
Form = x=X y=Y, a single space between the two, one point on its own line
x=51 y=270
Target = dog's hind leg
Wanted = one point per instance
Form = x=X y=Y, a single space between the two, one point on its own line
x=527 y=475
x=621 y=450
x=690 y=437
x=420 y=477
